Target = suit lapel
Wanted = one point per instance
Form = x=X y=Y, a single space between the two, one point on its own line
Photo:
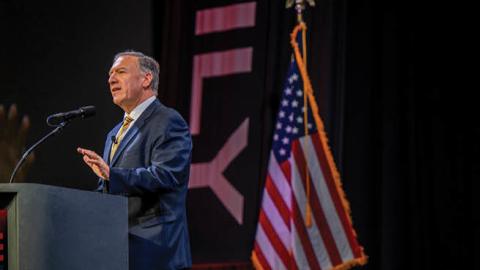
x=108 y=143
x=133 y=131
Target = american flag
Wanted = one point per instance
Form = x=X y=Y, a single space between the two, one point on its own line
x=302 y=175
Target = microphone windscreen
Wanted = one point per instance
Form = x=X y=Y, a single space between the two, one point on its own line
x=88 y=111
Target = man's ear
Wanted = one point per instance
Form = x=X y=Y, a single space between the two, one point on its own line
x=147 y=80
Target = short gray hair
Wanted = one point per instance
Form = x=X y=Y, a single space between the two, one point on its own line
x=146 y=63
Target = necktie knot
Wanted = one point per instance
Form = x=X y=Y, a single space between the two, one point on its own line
x=127 y=120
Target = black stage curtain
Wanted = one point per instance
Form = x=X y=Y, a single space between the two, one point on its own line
x=398 y=127
x=55 y=58
x=401 y=128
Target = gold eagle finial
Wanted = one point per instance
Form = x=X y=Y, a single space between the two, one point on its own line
x=299 y=6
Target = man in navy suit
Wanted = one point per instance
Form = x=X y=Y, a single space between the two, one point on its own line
x=147 y=158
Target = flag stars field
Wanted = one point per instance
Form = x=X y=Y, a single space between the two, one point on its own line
x=300 y=160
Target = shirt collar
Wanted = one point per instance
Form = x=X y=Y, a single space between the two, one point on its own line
x=135 y=114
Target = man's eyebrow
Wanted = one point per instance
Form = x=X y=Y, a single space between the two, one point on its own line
x=117 y=69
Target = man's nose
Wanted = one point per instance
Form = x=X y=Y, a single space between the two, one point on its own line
x=112 y=78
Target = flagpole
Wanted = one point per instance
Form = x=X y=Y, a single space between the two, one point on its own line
x=291 y=192
x=300 y=7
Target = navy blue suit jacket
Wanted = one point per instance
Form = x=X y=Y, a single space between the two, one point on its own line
x=151 y=167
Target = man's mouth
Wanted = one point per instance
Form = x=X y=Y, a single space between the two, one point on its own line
x=115 y=89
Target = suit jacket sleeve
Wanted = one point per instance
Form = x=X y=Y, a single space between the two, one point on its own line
x=169 y=165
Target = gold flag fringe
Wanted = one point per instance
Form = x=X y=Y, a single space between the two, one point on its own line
x=324 y=140
x=256 y=263
x=362 y=260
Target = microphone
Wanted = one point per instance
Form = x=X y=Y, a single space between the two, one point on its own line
x=114 y=139
x=64 y=120
x=82 y=112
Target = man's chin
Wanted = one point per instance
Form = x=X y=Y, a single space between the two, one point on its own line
x=116 y=101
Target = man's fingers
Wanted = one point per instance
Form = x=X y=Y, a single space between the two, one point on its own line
x=11 y=124
x=23 y=131
x=87 y=160
x=92 y=161
x=95 y=165
x=12 y=112
x=12 y=115
x=95 y=162
x=80 y=150
x=90 y=153
x=90 y=157
x=87 y=152
x=10 y=129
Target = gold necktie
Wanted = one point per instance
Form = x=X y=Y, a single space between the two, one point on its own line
x=126 y=122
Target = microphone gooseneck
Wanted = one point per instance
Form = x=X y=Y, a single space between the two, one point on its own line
x=63 y=120
x=29 y=150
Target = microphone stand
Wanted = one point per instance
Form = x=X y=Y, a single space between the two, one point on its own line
x=57 y=129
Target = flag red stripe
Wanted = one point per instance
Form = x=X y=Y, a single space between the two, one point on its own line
x=278 y=200
x=328 y=174
x=274 y=238
x=285 y=166
x=293 y=263
x=317 y=210
x=304 y=239
x=261 y=258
